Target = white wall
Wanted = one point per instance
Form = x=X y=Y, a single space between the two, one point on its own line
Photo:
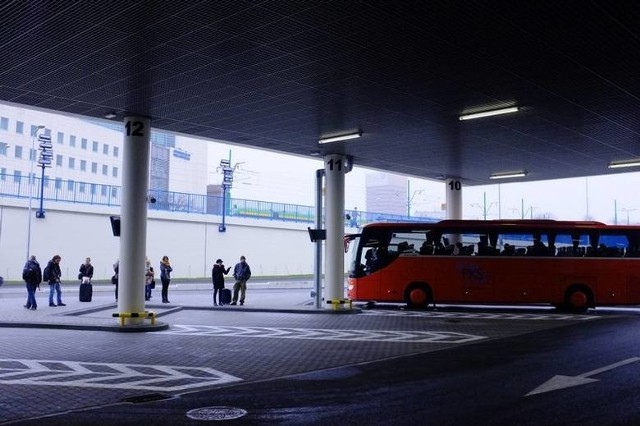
x=192 y=242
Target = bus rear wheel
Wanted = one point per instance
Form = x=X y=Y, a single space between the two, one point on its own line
x=578 y=299
x=418 y=296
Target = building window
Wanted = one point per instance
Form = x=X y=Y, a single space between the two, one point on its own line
x=4 y=147
x=93 y=189
x=59 y=160
x=83 y=143
x=81 y=187
x=17 y=176
x=114 y=172
x=19 y=127
x=18 y=151
x=46 y=181
x=72 y=140
x=58 y=183
x=103 y=190
x=116 y=151
x=114 y=192
x=83 y=165
x=105 y=169
x=105 y=149
x=3 y=174
x=32 y=154
x=60 y=138
x=94 y=167
x=70 y=185
x=72 y=163
x=95 y=146
x=4 y=123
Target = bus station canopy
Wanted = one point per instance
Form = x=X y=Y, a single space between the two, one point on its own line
x=280 y=75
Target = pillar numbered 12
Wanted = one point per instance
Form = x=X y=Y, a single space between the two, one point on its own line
x=133 y=217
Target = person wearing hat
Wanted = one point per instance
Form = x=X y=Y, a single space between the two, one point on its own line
x=217 y=276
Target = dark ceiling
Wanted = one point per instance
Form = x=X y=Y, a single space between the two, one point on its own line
x=279 y=74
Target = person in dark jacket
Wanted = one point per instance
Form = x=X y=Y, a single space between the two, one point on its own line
x=217 y=276
x=52 y=274
x=86 y=270
x=165 y=278
x=242 y=273
x=32 y=275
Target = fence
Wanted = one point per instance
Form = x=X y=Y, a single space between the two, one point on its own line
x=71 y=191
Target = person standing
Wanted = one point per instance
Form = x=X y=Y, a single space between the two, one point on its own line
x=52 y=274
x=149 y=280
x=241 y=273
x=165 y=278
x=217 y=275
x=32 y=276
x=116 y=277
x=86 y=270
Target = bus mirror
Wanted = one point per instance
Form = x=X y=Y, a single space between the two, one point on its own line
x=317 y=234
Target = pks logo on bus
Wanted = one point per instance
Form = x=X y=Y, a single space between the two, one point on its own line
x=473 y=273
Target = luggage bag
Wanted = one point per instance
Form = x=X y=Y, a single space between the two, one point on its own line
x=225 y=296
x=86 y=292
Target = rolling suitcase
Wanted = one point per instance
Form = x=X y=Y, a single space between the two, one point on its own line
x=86 y=292
x=225 y=296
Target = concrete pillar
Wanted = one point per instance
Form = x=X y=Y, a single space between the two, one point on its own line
x=454 y=198
x=454 y=204
x=133 y=226
x=334 y=167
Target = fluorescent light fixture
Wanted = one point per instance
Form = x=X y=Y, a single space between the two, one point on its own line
x=489 y=113
x=110 y=115
x=507 y=175
x=340 y=137
x=625 y=163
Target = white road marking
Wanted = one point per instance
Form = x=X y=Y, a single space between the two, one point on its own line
x=417 y=336
x=159 y=378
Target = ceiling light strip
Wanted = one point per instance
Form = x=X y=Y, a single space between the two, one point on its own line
x=340 y=138
x=489 y=113
x=621 y=164
x=508 y=175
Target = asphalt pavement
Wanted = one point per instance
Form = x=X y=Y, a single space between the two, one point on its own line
x=278 y=360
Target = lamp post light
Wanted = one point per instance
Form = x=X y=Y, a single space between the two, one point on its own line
x=46 y=156
x=32 y=157
x=227 y=181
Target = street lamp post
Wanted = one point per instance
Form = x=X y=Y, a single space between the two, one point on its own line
x=34 y=132
x=227 y=181
x=46 y=156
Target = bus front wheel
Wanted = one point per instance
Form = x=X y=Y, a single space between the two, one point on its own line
x=418 y=296
x=578 y=299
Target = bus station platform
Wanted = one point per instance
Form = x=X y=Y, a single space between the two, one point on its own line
x=285 y=296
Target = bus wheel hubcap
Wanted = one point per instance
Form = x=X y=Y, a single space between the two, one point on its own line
x=418 y=296
x=578 y=299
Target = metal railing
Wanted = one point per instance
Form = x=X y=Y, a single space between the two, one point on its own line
x=70 y=191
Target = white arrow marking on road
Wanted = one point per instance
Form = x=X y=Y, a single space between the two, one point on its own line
x=562 y=382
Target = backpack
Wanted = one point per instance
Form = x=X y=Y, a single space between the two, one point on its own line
x=29 y=274
x=45 y=274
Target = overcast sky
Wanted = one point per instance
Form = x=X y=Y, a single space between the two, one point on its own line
x=269 y=176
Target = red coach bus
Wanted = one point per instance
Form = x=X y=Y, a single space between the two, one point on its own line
x=570 y=265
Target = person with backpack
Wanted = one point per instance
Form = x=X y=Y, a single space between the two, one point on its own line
x=52 y=274
x=32 y=276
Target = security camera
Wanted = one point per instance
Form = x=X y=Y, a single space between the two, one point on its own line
x=151 y=199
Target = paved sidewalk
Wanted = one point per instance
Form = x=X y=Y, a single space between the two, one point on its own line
x=262 y=296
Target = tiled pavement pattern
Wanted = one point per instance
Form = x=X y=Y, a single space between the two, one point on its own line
x=276 y=334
